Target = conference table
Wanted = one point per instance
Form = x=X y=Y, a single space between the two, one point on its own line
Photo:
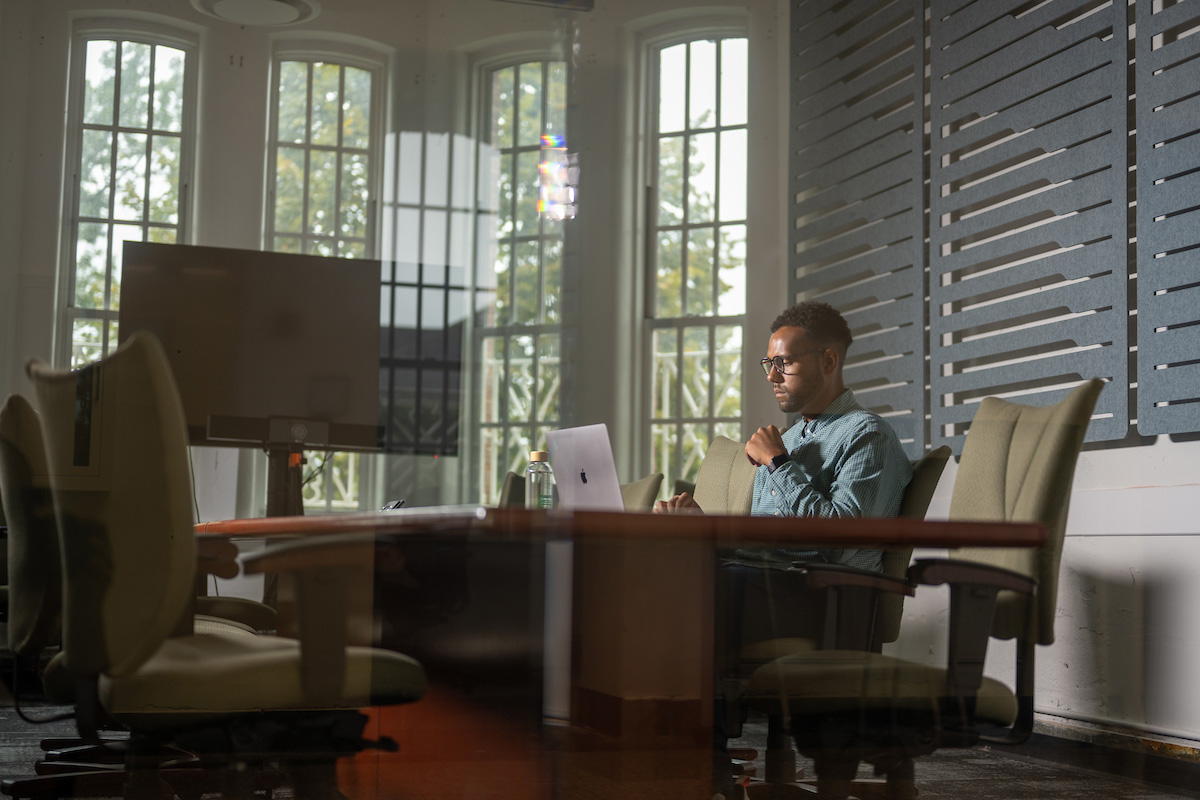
x=609 y=614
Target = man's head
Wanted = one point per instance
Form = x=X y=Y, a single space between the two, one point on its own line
x=809 y=341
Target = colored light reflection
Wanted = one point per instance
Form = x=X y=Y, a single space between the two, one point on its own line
x=558 y=194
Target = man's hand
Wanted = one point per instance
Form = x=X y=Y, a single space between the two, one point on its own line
x=765 y=444
x=679 y=504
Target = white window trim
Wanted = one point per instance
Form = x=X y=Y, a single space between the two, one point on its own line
x=137 y=29
x=654 y=35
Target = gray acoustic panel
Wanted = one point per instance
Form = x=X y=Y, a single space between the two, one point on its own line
x=1028 y=214
x=1168 y=219
x=857 y=192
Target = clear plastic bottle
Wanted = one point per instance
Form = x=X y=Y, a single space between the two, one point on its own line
x=539 y=481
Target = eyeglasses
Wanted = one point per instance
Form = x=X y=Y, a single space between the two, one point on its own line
x=786 y=365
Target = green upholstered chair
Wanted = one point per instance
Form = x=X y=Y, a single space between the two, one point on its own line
x=845 y=707
x=116 y=447
x=641 y=494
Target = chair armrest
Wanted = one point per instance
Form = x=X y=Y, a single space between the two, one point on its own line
x=850 y=602
x=824 y=576
x=936 y=571
x=973 y=591
x=323 y=568
x=216 y=555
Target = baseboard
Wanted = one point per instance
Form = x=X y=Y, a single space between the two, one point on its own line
x=1122 y=752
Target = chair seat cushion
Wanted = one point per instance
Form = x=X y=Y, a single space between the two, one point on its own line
x=843 y=680
x=233 y=674
x=257 y=615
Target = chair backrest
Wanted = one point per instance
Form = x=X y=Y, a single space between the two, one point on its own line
x=34 y=573
x=725 y=482
x=512 y=491
x=1017 y=465
x=116 y=445
x=641 y=494
x=926 y=472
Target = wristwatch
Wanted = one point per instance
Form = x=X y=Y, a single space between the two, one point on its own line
x=778 y=461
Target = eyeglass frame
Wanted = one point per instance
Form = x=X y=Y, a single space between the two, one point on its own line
x=776 y=362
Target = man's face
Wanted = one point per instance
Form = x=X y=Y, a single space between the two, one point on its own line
x=805 y=390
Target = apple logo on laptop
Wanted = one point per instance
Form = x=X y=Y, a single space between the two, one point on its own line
x=583 y=476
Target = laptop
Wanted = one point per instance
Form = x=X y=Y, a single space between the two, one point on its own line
x=584 y=470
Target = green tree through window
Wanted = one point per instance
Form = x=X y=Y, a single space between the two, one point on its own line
x=698 y=257
x=133 y=145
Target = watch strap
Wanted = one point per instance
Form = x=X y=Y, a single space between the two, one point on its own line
x=778 y=461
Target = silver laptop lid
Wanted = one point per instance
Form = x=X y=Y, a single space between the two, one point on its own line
x=584 y=470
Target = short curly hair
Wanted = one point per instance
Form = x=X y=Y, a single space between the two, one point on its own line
x=820 y=321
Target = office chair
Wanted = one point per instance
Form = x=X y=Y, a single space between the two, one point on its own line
x=116 y=447
x=863 y=613
x=848 y=707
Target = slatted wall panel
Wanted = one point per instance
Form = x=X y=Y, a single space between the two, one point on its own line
x=1028 y=212
x=857 y=192
x=1168 y=219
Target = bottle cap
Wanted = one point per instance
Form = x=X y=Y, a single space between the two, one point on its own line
x=539 y=455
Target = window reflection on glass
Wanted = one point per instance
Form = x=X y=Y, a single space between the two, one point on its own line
x=698 y=225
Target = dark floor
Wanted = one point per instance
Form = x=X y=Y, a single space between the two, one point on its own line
x=995 y=773
x=979 y=774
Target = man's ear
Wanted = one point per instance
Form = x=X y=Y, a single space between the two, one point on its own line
x=831 y=361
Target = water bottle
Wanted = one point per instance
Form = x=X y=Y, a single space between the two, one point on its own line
x=539 y=481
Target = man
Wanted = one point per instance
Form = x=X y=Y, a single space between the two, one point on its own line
x=842 y=461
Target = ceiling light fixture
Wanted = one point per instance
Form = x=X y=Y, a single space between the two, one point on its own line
x=260 y=12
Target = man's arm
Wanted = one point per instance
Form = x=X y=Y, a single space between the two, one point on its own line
x=869 y=480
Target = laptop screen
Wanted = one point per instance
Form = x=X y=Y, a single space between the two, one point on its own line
x=584 y=470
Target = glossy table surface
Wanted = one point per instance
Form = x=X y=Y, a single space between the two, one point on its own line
x=719 y=530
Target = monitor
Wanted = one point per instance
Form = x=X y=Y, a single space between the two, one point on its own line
x=278 y=348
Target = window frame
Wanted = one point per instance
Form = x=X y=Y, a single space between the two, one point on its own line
x=365 y=470
x=651 y=44
x=85 y=31
x=544 y=50
x=344 y=55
